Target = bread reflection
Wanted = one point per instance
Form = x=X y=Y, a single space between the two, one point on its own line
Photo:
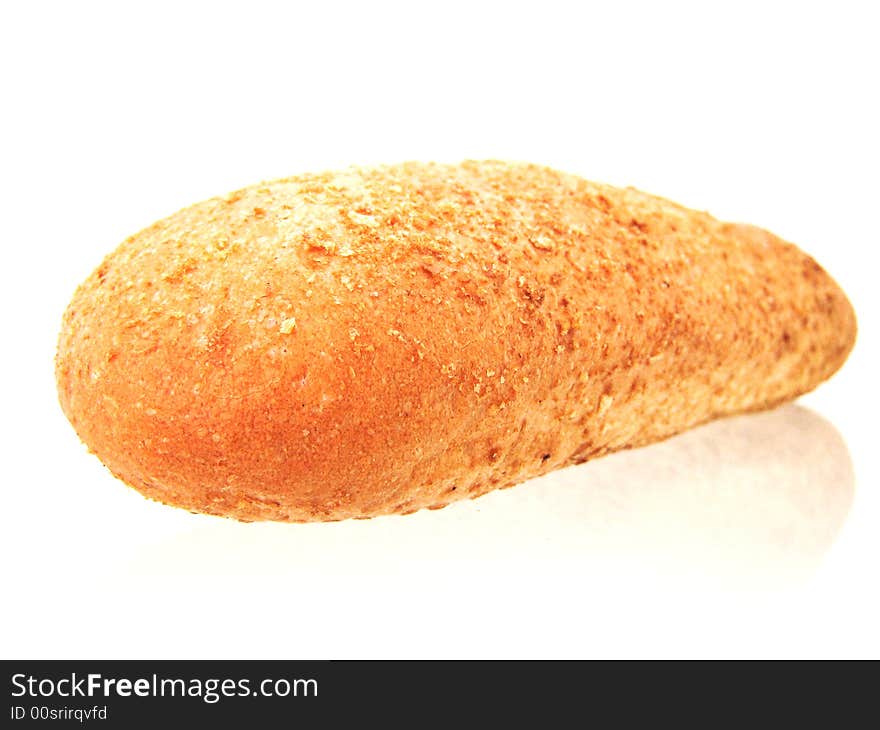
x=758 y=497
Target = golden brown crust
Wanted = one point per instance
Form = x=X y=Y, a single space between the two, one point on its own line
x=382 y=340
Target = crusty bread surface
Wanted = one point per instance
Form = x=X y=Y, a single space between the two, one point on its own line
x=383 y=340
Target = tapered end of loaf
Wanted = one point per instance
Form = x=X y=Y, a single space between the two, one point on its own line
x=818 y=313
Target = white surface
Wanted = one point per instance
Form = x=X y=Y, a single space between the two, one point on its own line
x=757 y=536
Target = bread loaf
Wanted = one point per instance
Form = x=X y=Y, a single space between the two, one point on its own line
x=383 y=340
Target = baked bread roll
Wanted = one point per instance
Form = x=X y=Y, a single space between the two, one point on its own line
x=383 y=340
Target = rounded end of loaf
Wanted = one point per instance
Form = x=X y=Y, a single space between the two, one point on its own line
x=326 y=419
x=816 y=327
x=843 y=316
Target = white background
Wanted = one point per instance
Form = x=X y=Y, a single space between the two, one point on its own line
x=755 y=536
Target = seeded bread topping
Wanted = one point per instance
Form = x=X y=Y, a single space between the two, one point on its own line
x=383 y=340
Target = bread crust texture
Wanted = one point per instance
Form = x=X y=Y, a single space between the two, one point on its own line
x=382 y=340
